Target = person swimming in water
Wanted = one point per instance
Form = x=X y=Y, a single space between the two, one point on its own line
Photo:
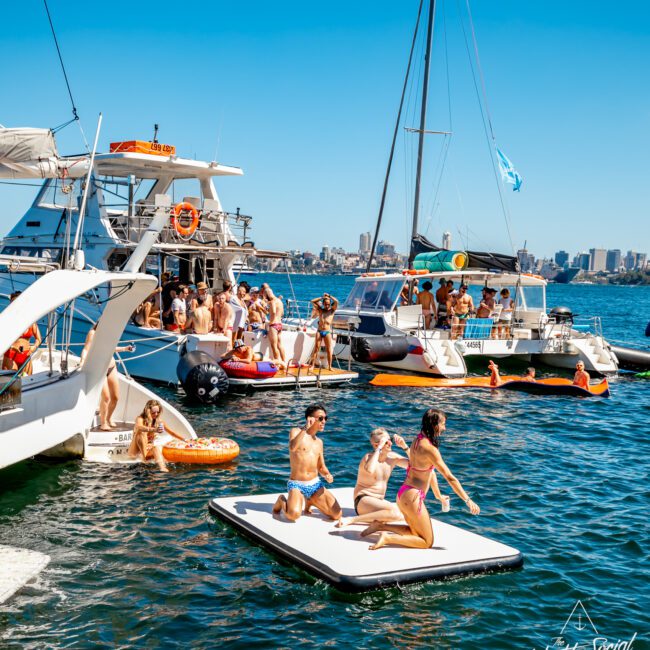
x=306 y=457
x=424 y=458
x=495 y=377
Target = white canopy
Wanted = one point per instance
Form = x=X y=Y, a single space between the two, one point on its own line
x=27 y=153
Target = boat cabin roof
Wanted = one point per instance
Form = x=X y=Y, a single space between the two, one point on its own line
x=469 y=277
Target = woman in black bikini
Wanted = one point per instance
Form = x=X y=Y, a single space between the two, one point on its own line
x=424 y=459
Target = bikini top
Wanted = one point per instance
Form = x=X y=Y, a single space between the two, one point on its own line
x=418 y=469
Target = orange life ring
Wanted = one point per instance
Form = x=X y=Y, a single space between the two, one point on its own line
x=204 y=451
x=185 y=231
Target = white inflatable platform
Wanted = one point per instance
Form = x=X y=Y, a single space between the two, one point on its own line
x=342 y=557
x=17 y=567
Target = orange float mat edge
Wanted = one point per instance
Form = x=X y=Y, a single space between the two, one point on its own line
x=201 y=451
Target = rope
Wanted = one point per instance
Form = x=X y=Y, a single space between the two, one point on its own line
x=293 y=293
x=75 y=114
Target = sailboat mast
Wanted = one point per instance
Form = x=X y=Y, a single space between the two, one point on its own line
x=423 y=119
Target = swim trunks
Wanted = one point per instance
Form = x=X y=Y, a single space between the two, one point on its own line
x=307 y=488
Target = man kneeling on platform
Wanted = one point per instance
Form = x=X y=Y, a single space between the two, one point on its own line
x=305 y=488
x=241 y=352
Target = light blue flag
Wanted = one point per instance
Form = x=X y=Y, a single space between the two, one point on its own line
x=508 y=172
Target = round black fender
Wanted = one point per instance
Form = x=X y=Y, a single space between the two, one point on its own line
x=647 y=329
x=202 y=379
x=631 y=359
x=375 y=349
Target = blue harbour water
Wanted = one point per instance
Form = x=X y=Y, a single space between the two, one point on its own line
x=138 y=562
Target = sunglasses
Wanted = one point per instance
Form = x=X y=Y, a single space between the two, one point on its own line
x=322 y=418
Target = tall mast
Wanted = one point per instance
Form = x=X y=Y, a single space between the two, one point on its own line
x=423 y=119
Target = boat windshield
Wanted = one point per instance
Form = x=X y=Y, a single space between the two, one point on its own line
x=532 y=298
x=377 y=294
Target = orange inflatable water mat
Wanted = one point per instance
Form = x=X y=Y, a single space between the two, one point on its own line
x=548 y=385
x=141 y=146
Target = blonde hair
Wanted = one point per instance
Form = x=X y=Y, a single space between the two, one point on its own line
x=377 y=433
x=146 y=411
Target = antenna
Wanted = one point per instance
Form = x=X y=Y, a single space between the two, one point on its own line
x=155 y=134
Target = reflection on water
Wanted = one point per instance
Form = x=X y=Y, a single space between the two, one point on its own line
x=138 y=561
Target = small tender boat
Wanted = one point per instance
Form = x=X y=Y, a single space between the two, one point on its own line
x=201 y=451
x=547 y=386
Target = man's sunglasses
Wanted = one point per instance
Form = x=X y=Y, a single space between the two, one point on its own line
x=322 y=418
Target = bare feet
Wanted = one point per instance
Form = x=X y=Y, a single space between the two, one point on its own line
x=373 y=528
x=343 y=522
x=380 y=542
x=163 y=469
x=112 y=424
x=278 y=506
x=105 y=427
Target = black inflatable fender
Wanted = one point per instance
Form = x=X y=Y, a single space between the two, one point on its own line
x=377 y=349
x=202 y=379
x=647 y=329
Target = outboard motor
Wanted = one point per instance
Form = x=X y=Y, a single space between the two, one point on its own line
x=202 y=379
x=377 y=349
x=561 y=315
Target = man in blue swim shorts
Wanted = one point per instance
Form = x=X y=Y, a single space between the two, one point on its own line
x=305 y=487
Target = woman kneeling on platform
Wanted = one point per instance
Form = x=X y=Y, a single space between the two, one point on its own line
x=147 y=432
x=424 y=458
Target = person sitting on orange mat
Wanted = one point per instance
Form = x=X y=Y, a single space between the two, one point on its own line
x=581 y=378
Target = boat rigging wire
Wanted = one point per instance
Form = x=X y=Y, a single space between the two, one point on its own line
x=395 y=133
x=485 y=114
x=75 y=114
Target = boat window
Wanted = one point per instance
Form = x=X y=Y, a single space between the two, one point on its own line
x=57 y=194
x=532 y=298
x=377 y=294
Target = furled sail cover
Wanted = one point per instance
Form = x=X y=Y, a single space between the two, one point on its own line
x=477 y=260
x=28 y=153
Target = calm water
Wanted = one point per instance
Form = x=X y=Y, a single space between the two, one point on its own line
x=138 y=562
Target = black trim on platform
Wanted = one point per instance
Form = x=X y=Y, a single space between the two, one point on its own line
x=371 y=581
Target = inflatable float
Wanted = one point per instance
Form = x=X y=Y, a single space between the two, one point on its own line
x=549 y=386
x=201 y=451
x=252 y=370
x=341 y=556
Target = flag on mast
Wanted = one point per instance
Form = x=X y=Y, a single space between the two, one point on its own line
x=508 y=172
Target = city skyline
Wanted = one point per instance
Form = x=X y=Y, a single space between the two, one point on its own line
x=307 y=106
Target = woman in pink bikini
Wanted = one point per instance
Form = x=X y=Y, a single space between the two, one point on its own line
x=424 y=459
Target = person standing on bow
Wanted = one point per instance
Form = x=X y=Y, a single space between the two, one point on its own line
x=324 y=308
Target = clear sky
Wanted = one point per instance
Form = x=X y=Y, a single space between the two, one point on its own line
x=303 y=97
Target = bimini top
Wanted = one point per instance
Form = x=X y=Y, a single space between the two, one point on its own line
x=468 y=276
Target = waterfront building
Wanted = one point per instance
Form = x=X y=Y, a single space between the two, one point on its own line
x=526 y=260
x=325 y=253
x=598 y=260
x=386 y=249
x=446 y=240
x=583 y=261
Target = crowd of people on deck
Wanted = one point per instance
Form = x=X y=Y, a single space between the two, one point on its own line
x=449 y=308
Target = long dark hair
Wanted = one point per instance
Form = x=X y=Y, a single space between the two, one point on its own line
x=431 y=421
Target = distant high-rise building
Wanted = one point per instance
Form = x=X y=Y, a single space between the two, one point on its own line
x=629 y=261
x=325 y=253
x=613 y=263
x=561 y=258
x=365 y=242
x=446 y=240
x=386 y=248
x=598 y=259
x=526 y=260
x=641 y=262
x=584 y=260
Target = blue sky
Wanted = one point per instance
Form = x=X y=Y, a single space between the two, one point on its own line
x=303 y=97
